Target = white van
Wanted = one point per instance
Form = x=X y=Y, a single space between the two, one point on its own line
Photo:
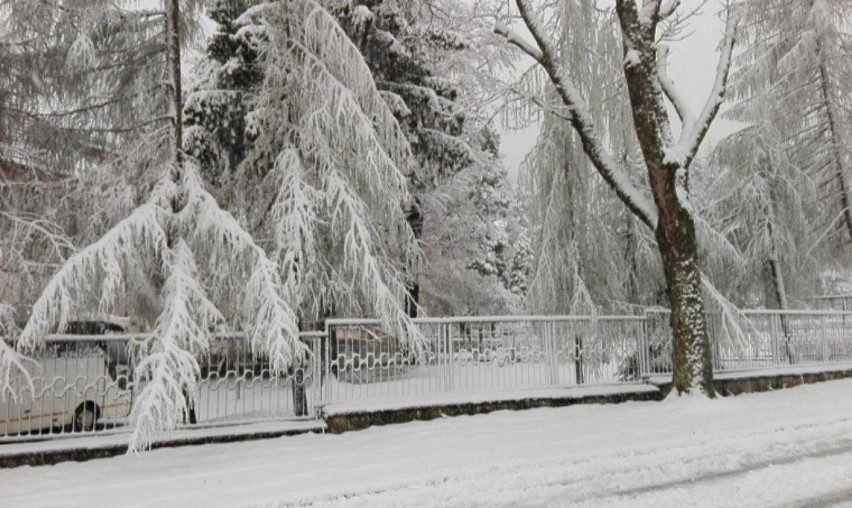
x=76 y=389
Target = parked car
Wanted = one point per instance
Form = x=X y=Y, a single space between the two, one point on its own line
x=74 y=389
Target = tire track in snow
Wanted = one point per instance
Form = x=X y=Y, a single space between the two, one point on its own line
x=589 y=480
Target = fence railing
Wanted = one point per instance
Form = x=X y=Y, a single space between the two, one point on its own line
x=481 y=355
x=765 y=339
x=86 y=383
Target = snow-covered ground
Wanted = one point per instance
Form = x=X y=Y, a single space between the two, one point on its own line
x=791 y=447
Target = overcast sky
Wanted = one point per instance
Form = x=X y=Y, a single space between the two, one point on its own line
x=692 y=66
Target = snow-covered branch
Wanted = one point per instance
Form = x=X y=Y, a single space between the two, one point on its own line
x=693 y=133
x=272 y=323
x=515 y=39
x=583 y=122
x=169 y=370
x=102 y=259
x=668 y=8
x=10 y=361
x=669 y=88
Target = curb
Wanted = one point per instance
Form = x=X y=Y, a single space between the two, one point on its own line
x=337 y=423
x=52 y=457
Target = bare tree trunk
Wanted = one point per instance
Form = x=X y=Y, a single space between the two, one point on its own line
x=841 y=166
x=776 y=275
x=173 y=41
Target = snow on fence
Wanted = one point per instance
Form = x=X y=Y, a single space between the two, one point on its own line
x=85 y=383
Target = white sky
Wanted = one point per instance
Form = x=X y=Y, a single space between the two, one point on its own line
x=692 y=66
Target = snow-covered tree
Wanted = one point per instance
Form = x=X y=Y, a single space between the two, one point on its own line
x=667 y=158
x=220 y=96
x=591 y=254
x=794 y=73
x=159 y=244
x=411 y=50
x=766 y=205
x=329 y=163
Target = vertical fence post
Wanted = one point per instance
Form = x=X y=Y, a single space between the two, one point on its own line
x=578 y=357
x=448 y=345
x=775 y=349
x=551 y=355
x=824 y=339
x=642 y=349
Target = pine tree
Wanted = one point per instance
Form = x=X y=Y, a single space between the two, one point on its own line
x=794 y=74
x=454 y=150
x=221 y=95
x=159 y=244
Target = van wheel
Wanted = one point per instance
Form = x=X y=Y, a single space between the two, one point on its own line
x=86 y=416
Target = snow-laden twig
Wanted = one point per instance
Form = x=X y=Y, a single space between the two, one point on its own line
x=677 y=99
x=272 y=322
x=142 y=230
x=168 y=370
x=338 y=161
x=11 y=362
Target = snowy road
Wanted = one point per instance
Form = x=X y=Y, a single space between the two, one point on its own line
x=787 y=448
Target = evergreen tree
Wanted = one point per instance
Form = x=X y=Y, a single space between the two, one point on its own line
x=456 y=154
x=794 y=74
x=157 y=246
x=220 y=99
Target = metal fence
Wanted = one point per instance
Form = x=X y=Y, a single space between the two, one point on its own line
x=85 y=383
x=764 y=339
x=481 y=355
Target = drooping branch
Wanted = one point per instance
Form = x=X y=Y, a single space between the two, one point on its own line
x=580 y=117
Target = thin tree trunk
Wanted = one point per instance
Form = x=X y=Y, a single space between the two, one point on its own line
x=173 y=41
x=841 y=167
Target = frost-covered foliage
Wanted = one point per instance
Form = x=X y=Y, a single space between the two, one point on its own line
x=329 y=164
x=11 y=362
x=478 y=253
x=766 y=205
x=225 y=83
x=416 y=51
x=179 y=224
x=592 y=254
x=158 y=248
x=83 y=112
x=794 y=75
x=455 y=179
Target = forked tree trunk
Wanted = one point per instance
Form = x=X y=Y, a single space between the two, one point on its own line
x=666 y=160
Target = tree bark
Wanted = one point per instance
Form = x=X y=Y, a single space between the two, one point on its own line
x=173 y=41
x=676 y=239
